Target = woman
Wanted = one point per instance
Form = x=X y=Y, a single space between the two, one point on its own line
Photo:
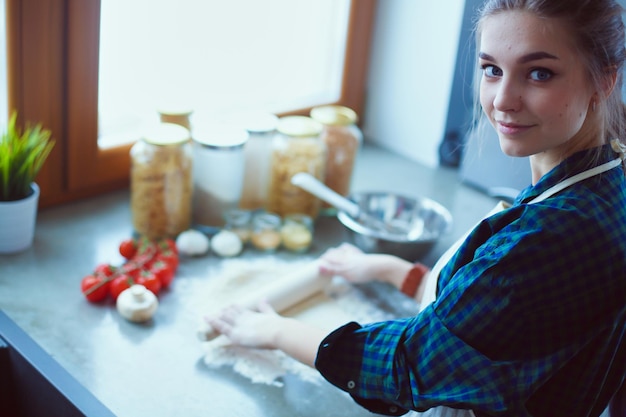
x=529 y=317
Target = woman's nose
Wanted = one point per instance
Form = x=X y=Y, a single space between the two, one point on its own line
x=508 y=96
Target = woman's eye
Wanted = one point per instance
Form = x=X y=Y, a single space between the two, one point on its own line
x=491 y=71
x=541 y=74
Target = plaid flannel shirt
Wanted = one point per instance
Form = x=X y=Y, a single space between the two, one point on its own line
x=529 y=318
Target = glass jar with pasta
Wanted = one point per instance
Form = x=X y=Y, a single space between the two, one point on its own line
x=296 y=148
x=342 y=138
x=161 y=182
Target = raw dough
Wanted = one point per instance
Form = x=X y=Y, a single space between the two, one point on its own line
x=339 y=304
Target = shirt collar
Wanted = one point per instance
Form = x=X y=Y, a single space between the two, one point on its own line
x=576 y=163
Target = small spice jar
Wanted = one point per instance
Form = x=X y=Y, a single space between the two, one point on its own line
x=296 y=148
x=219 y=164
x=161 y=183
x=266 y=231
x=238 y=221
x=342 y=138
x=297 y=232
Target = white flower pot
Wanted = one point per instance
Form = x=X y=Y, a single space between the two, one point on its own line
x=17 y=222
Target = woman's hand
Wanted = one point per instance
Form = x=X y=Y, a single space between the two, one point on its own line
x=266 y=329
x=349 y=262
x=356 y=266
x=250 y=328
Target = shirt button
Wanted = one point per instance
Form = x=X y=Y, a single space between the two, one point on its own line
x=351 y=384
x=393 y=409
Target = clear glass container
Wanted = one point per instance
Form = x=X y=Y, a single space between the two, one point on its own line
x=219 y=164
x=266 y=231
x=239 y=221
x=161 y=182
x=297 y=232
x=342 y=138
x=297 y=147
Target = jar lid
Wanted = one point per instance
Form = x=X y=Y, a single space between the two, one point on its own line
x=216 y=135
x=334 y=115
x=166 y=134
x=174 y=111
x=299 y=126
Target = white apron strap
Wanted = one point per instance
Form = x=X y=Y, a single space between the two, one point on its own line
x=576 y=178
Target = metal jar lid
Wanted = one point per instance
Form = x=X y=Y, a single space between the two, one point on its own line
x=220 y=136
x=163 y=134
x=299 y=126
x=334 y=115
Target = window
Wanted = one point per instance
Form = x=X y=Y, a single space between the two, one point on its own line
x=208 y=56
x=53 y=56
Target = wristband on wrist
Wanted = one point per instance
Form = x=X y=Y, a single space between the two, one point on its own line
x=413 y=279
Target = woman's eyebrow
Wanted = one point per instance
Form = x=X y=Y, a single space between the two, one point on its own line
x=534 y=56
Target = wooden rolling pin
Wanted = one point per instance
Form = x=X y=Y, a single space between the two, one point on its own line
x=286 y=291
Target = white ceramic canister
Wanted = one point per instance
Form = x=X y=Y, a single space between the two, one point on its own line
x=261 y=127
x=219 y=164
x=258 y=150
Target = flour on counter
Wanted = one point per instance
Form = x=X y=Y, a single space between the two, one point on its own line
x=339 y=304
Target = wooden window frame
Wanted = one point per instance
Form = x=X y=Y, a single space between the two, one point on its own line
x=52 y=72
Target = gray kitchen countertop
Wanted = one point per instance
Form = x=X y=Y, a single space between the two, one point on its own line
x=157 y=369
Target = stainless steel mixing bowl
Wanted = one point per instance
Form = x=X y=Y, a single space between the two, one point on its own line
x=413 y=225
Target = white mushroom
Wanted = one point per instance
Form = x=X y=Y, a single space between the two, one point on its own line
x=137 y=303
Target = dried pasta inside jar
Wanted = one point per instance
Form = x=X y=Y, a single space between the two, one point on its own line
x=292 y=154
x=161 y=182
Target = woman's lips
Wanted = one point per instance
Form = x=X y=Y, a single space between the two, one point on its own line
x=512 y=128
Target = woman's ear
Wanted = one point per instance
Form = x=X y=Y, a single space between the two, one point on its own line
x=609 y=80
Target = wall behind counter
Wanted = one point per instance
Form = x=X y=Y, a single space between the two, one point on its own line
x=411 y=74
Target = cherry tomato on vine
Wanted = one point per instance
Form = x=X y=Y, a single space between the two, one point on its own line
x=163 y=271
x=119 y=284
x=94 y=288
x=131 y=269
x=105 y=270
x=149 y=280
x=169 y=257
x=171 y=245
x=128 y=248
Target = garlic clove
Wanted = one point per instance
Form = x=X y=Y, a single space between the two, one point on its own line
x=226 y=244
x=192 y=243
x=137 y=303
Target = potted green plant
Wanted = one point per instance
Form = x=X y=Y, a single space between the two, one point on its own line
x=22 y=154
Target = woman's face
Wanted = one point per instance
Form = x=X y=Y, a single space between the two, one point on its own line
x=534 y=88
